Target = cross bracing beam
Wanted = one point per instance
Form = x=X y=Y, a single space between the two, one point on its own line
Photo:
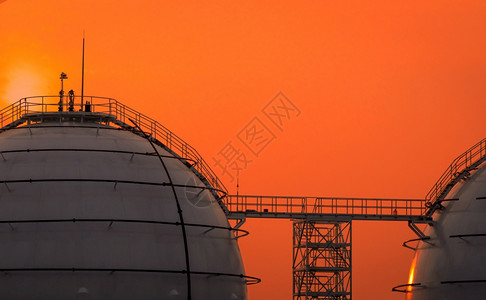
x=321 y=260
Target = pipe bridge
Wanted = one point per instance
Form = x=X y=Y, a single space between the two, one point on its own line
x=322 y=234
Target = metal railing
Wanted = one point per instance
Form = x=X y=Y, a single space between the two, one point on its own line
x=295 y=206
x=18 y=112
x=459 y=169
x=50 y=104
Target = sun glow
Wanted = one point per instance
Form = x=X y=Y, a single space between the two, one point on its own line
x=22 y=82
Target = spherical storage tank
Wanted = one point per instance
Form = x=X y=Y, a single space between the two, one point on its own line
x=450 y=261
x=100 y=202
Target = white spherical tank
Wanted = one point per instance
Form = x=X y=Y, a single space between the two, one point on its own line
x=90 y=210
x=450 y=262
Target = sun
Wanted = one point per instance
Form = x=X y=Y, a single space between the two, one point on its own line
x=22 y=82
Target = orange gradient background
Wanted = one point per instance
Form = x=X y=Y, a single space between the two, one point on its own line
x=389 y=93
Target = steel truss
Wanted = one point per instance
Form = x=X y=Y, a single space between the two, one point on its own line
x=321 y=260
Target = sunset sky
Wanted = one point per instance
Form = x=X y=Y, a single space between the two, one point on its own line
x=387 y=93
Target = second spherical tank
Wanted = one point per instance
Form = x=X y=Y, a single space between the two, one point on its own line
x=450 y=263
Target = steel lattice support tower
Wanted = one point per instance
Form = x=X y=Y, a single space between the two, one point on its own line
x=321 y=260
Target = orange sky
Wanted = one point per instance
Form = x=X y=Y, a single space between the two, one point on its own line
x=389 y=94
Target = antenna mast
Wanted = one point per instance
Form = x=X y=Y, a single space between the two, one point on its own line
x=82 y=78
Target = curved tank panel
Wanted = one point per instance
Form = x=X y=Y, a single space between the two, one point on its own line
x=89 y=211
x=450 y=265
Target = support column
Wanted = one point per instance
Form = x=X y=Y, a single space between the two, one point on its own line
x=321 y=260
